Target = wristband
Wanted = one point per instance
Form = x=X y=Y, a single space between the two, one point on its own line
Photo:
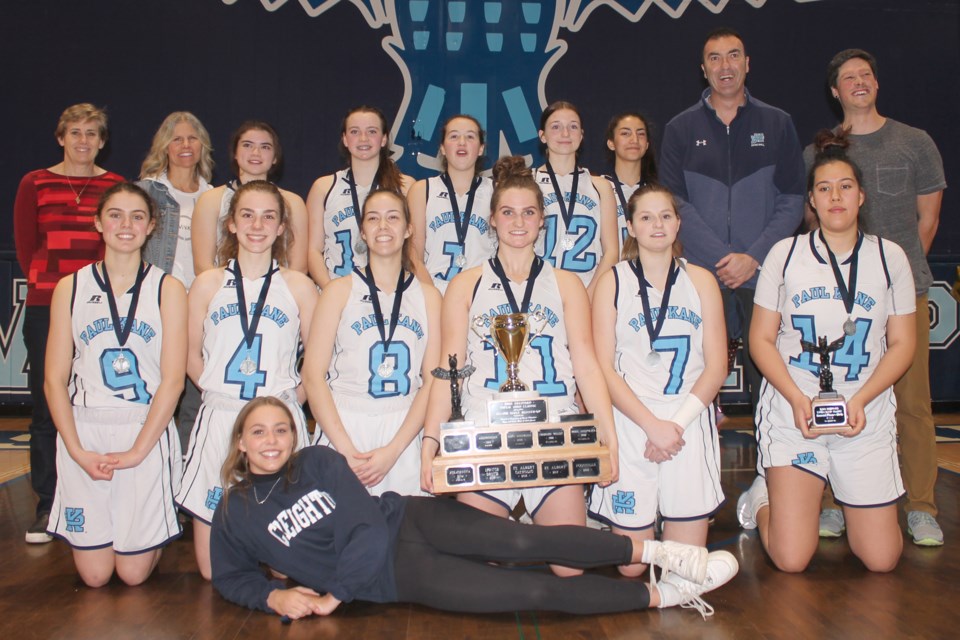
x=688 y=411
x=426 y=437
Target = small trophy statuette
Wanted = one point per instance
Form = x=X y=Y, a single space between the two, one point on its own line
x=454 y=375
x=829 y=407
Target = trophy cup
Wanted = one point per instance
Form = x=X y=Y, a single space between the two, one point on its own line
x=518 y=447
x=829 y=407
x=510 y=335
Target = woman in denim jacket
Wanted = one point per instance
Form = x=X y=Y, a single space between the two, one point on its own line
x=175 y=173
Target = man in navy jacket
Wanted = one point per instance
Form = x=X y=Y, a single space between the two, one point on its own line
x=736 y=167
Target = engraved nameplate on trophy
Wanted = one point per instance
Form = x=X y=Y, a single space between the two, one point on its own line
x=528 y=455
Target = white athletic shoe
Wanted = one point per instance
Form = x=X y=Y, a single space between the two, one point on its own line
x=832 y=524
x=674 y=590
x=751 y=501
x=686 y=560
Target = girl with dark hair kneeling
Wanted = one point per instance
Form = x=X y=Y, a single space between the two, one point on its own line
x=306 y=515
x=855 y=293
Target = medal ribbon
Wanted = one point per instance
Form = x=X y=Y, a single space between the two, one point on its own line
x=378 y=310
x=249 y=327
x=566 y=214
x=123 y=332
x=461 y=223
x=848 y=295
x=357 y=212
x=653 y=331
x=535 y=268
x=619 y=191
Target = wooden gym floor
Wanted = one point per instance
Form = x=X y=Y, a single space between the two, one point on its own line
x=41 y=596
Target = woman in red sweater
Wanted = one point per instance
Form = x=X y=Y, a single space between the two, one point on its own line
x=55 y=236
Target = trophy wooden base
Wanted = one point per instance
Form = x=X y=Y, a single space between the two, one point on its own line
x=519 y=455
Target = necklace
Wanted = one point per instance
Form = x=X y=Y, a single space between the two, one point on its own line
x=76 y=196
x=266 y=497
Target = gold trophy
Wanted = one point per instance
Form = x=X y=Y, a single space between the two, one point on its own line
x=510 y=335
x=518 y=447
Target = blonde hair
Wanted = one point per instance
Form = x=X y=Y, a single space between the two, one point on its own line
x=229 y=245
x=157 y=160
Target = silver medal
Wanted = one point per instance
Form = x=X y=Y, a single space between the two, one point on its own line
x=121 y=365
x=385 y=369
x=248 y=367
x=568 y=242
x=460 y=260
x=653 y=358
x=360 y=247
x=849 y=327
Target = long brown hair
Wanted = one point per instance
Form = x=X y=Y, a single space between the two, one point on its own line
x=631 y=250
x=388 y=173
x=559 y=105
x=648 y=163
x=229 y=246
x=481 y=137
x=235 y=471
x=406 y=253
x=257 y=125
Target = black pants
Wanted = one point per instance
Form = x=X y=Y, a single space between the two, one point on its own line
x=43 y=433
x=444 y=546
x=738 y=309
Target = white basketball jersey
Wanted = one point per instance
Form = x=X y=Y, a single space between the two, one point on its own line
x=268 y=367
x=98 y=379
x=798 y=282
x=359 y=351
x=442 y=246
x=545 y=366
x=576 y=248
x=679 y=345
x=340 y=230
x=627 y=190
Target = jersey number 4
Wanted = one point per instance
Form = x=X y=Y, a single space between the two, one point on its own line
x=244 y=369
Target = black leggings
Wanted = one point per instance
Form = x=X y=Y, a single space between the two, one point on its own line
x=443 y=549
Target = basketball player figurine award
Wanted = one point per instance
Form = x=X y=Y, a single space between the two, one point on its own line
x=829 y=407
x=454 y=375
x=518 y=447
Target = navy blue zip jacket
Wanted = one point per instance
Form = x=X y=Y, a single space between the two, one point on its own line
x=741 y=187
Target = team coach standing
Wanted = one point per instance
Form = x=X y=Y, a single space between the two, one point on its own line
x=735 y=163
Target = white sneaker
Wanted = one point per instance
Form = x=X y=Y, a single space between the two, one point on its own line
x=924 y=529
x=686 y=560
x=832 y=524
x=751 y=501
x=674 y=590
